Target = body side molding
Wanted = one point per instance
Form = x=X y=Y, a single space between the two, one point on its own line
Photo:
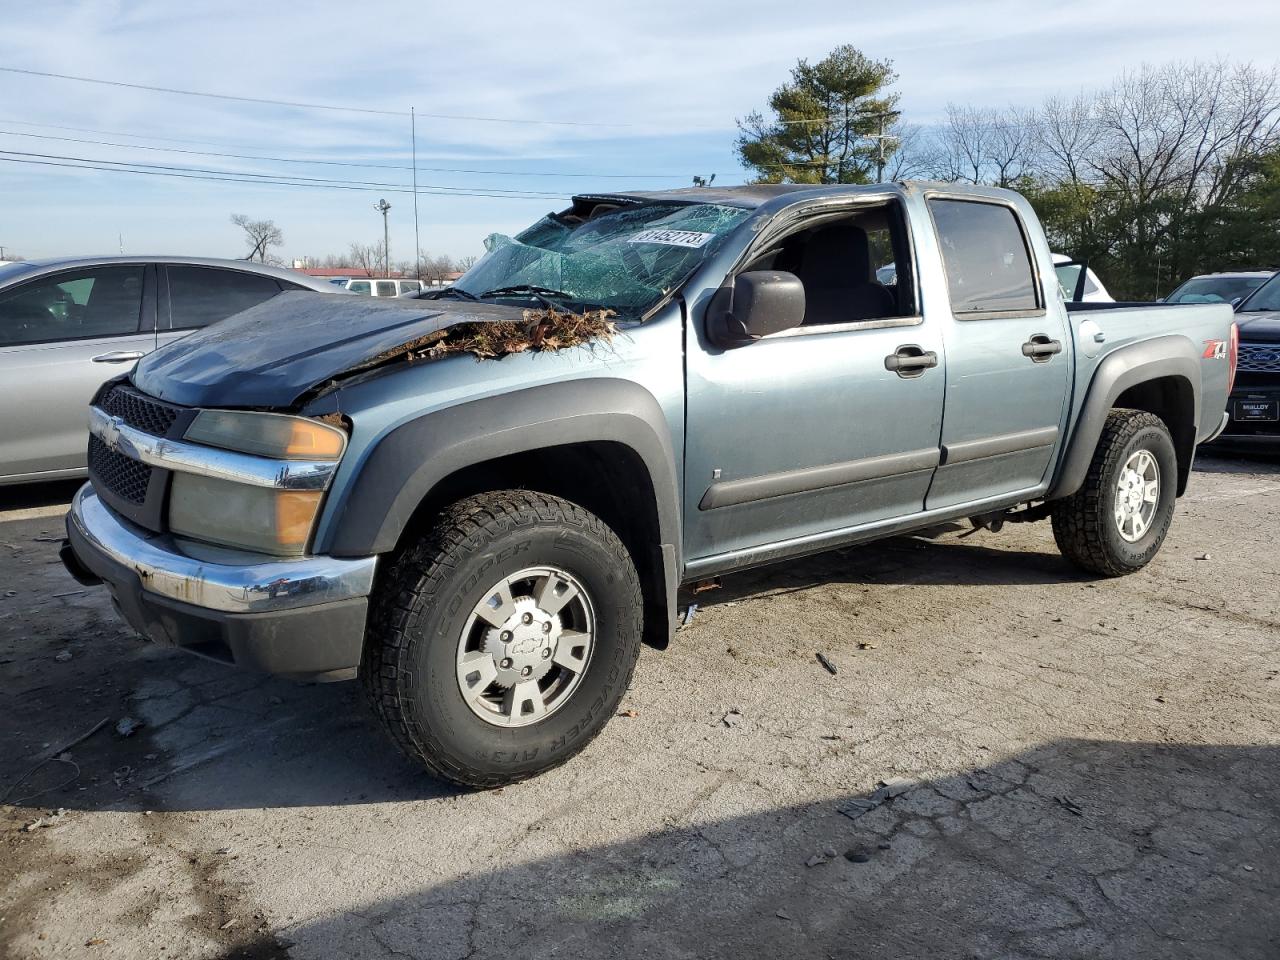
x=728 y=493
x=996 y=446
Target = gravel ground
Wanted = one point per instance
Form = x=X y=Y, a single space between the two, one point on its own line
x=1029 y=764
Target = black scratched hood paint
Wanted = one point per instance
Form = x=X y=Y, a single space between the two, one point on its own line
x=1259 y=327
x=273 y=353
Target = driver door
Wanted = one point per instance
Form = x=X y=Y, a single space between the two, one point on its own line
x=796 y=438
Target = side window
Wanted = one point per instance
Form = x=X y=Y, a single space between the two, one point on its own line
x=80 y=305
x=986 y=258
x=847 y=266
x=386 y=288
x=199 y=296
x=360 y=286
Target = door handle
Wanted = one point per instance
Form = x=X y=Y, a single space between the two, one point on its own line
x=910 y=360
x=119 y=356
x=1040 y=348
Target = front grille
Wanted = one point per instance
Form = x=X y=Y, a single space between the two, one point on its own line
x=123 y=476
x=1259 y=358
x=138 y=410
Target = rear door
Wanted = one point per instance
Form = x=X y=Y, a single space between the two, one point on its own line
x=195 y=297
x=61 y=336
x=1008 y=355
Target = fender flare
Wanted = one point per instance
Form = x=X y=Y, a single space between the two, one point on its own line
x=1122 y=368
x=408 y=463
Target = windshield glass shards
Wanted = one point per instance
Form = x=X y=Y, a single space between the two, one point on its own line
x=623 y=259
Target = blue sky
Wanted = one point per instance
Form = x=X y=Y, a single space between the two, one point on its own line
x=660 y=84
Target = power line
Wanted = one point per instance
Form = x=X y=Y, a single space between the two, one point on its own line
x=79 y=164
x=115 y=133
x=335 y=163
x=273 y=176
x=303 y=105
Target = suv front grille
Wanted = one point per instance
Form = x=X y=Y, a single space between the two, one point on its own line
x=1259 y=358
x=138 y=410
x=125 y=477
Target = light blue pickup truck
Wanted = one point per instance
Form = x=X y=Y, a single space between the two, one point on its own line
x=325 y=487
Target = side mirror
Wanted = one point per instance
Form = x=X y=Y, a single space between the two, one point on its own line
x=761 y=302
x=1236 y=301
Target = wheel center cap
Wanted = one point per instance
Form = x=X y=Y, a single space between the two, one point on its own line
x=523 y=646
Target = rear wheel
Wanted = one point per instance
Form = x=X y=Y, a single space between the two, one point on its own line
x=1116 y=522
x=501 y=643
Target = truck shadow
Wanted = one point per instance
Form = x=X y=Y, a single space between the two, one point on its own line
x=1217 y=460
x=935 y=556
x=211 y=737
x=1077 y=848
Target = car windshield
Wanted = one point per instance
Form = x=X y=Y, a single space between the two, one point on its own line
x=622 y=258
x=1214 y=289
x=1265 y=297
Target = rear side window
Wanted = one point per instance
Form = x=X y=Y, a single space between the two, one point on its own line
x=80 y=305
x=386 y=288
x=199 y=296
x=986 y=258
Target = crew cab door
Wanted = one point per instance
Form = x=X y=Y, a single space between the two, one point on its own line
x=802 y=434
x=1008 y=355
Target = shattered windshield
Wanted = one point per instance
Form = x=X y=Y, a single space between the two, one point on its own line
x=621 y=258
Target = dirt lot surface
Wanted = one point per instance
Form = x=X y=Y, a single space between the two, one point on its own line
x=1074 y=768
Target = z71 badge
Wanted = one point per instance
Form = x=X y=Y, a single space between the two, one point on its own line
x=1215 y=350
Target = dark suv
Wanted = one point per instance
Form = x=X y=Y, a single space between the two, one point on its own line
x=1255 y=402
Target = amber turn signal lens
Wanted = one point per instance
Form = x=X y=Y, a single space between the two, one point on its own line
x=310 y=440
x=295 y=511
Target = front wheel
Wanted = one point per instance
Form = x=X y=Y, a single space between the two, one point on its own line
x=1116 y=522
x=501 y=643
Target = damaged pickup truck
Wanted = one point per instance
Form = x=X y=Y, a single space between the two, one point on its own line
x=482 y=502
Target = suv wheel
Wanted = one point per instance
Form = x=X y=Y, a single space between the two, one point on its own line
x=1115 y=523
x=501 y=643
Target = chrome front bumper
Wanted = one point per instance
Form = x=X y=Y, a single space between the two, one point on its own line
x=250 y=588
x=300 y=617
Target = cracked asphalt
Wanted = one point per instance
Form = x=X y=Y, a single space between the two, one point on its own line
x=1075 y=768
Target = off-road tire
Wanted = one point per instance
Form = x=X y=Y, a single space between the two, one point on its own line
x=427 y=592
x=1084 y=525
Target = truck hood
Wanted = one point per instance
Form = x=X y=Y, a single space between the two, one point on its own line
x=272 y=354
x=1259 y=327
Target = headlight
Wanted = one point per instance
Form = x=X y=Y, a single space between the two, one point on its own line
x=263 y=519
x=268 y=435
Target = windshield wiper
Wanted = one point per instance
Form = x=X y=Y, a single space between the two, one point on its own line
x=446 y=292
x=545 y=294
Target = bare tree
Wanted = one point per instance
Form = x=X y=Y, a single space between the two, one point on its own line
x=983 y=145
x=365 y=257
x=1067 y=133
x=913 y=156
x=466 y=263
x=261 y=235
x=1172 y=146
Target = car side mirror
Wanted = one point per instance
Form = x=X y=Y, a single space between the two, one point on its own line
x=760 y=302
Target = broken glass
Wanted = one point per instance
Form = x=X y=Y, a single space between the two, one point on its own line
x=624 y=260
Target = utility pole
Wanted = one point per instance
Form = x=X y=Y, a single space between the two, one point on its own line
x=417 y=244
x=382 y=206
x=880 y=138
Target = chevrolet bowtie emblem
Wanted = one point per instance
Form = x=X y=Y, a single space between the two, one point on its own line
x=111 y=432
